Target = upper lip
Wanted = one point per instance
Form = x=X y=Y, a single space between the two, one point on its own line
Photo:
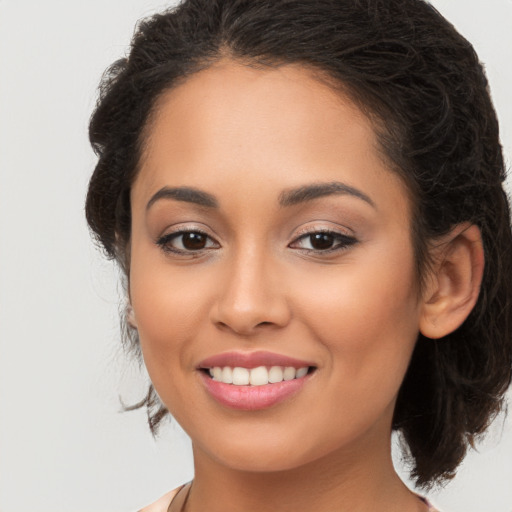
x=252 y=360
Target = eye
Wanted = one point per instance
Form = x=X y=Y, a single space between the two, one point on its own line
x=183 y=242
x=323 y=241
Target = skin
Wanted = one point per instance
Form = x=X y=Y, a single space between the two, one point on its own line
x=246 y=136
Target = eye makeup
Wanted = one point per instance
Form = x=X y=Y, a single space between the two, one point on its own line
x=323 y=241
x=187 y=242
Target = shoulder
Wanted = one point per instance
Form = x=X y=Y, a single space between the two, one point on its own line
x=431 y=508
x=162 y=504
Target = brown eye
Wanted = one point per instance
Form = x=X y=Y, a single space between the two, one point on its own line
x=194 y=241
x=186 y=242
x=321 y=241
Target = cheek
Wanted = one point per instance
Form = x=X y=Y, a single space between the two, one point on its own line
x=170 y=308
x=367 y=325
x=366 y=315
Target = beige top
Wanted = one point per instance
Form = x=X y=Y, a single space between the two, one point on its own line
x=162 y=504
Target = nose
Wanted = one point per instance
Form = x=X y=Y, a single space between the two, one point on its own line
x=251 y=296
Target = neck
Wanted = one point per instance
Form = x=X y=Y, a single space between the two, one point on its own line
x=359 y=480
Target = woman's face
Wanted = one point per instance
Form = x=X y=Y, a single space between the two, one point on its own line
x=268 y=232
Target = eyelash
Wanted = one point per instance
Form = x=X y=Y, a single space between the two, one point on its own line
x=164 y=242
x=341 y=242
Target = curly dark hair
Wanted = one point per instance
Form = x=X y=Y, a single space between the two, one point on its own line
x=422 y=86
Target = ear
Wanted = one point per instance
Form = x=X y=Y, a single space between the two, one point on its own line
x=130 y=317
x=454 y=281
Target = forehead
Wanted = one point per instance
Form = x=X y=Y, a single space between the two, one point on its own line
x=270 y=105
x=283 y=126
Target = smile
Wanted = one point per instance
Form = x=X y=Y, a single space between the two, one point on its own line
x=260 y=376
x=253 y=381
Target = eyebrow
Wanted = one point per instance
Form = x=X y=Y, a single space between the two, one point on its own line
x=289 y=197
x=186 y=194
x=305 y=193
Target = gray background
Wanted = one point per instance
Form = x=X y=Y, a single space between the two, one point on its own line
x=63 y=444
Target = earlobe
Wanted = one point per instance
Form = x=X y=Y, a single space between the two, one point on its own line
x=454 y=281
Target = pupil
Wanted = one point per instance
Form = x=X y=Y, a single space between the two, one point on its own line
x=322 y=241
x=194 y=241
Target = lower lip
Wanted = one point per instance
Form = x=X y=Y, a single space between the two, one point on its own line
x=252 y=398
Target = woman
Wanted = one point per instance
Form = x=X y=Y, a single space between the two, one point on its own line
x=306 y=199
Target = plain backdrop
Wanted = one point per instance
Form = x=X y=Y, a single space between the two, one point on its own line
x=64 y=445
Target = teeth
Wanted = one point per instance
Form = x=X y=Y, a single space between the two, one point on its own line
x=289 y=373
x=302 y=372
x=227 y=375
x=259 y=376
x=240 y=376
x=275 y=374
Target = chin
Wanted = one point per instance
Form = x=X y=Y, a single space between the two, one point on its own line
x=252 y=462
x=262 y=454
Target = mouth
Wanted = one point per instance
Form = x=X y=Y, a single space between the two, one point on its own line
x=253 y=381
x=259 y=376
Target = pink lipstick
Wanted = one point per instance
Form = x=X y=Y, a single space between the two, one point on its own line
x=252 y=360
x=255 y=380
